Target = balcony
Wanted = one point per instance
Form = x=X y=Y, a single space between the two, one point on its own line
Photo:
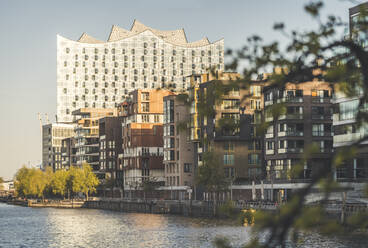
x=321 y=117
x=292 y=133
x=269 y=135
x=345 y=139
x=269 y=118
x=290 y=150
x=317 y=99
x=290 y=99
x=322 y=133
x=325 y=150
x=268 y=102
x=270 y=152
x=291 y=117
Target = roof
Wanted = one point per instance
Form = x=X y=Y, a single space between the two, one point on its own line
x=175 y=37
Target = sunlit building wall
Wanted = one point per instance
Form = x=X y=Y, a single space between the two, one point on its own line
x=100 y=74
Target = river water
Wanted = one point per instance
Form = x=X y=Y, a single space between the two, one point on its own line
x=49 y=227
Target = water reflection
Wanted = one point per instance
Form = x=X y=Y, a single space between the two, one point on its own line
x=28 y=227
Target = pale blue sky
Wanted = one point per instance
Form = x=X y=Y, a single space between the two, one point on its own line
x=28 y=48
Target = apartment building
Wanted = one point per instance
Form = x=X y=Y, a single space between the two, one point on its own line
x=142 y=139
x=226 y=123
x=52 y=136
x=178 y=150
x=346 y=128
x=87 y=137
x=68 y=152
x=305 y=118
x=110 y=139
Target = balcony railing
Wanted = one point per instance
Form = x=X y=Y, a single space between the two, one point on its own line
x=321 y=117
x=290 y=150
x=317 y=99
x=346 y=138
x=291 y=117
x=269 y=135
x=295 y=99
x=291 y=133
x=322 y=133
x=270 y=152
x=268 y=102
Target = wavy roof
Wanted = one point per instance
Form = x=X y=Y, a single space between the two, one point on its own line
x=175 y=37
x=85 y=38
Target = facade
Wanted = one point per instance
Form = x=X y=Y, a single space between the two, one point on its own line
x=346 y=129
x=346 y=133
x=52 y=136
x=87 y=137
x=306 y=119
x=178 y=151
x=142 y=138
x=110 y=139
x=231 y=130
x=355 y=31
x=227 y=126
x=68 y=152
x=98 y=74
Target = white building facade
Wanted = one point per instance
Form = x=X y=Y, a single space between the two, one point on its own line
x=97 y=74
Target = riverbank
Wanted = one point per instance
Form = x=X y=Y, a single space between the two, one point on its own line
x=45 y=203
x=184 y=208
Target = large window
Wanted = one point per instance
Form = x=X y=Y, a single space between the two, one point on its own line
x=348 y=110
x=145 y=107
x=253 y=158
x=187 y=167
x=228 y=159
x=255 y=90
x=230 y=104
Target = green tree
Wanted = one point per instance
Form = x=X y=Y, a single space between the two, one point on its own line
x=89 y=180
x=319 y=54
x=148 y=185
x=1 y=183
x=59 y=182
x=211 y=175
x=74 y=180
x=30 y=182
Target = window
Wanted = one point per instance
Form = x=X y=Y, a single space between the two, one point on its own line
x=270 y=145
x=228 y=146
x=145 y=96
x=187 y=167
x=228 y=159
x=348 y=110
x=145 y=118
x=253 y=158
x=255 y=90
x=145 y=107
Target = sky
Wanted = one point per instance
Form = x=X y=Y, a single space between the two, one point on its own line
x=28 y=48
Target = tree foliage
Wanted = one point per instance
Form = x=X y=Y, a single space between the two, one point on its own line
x=1 y=183
x=321 y=54
x=32 y=182
x=211 y=173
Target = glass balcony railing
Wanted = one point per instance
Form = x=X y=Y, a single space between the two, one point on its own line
x=291 y=99
x=322 y=133
x=317 y=99
x=290 y=150
x=297 y=116
x=291 y=133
